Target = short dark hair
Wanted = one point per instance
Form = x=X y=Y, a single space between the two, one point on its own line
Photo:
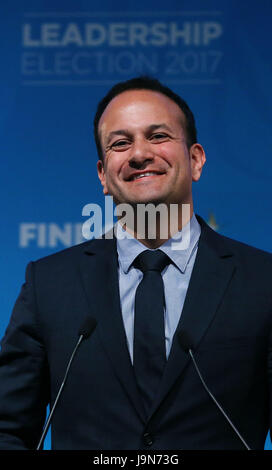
x=145 y=83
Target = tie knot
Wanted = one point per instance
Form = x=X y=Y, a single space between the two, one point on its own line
x=151 y=261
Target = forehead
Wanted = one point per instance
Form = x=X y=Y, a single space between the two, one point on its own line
x=139 y=108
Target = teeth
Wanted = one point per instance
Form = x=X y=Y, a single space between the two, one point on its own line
x=142 y=175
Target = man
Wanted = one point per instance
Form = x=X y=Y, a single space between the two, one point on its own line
x=133 y=384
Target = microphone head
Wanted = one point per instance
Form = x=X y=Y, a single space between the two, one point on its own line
x=87 y=327
x=185 y=341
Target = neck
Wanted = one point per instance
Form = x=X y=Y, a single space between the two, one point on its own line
x=154 y=227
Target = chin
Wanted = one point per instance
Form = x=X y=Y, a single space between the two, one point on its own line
x=151 y=198
x=155 y=201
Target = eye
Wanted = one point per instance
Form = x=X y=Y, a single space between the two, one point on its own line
x=159 y=136
x=120 y=144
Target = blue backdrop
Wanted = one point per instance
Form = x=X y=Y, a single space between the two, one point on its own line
x=59 y=58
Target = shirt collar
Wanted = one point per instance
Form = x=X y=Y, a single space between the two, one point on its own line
x=128 y=247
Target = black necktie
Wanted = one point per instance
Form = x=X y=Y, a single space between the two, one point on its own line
x=149 y=356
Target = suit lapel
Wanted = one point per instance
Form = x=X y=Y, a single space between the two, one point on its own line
x=99 y=274
x=212 y=272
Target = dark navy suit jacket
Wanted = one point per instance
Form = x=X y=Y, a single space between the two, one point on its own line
x=227 y=312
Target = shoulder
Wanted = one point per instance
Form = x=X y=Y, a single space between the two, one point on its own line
x=71 y=257
x=243 y=252
x=250 y=256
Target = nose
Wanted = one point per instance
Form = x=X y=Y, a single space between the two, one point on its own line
x=141 y=154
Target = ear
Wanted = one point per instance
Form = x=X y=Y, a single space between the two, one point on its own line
x=102 y=176
x=198 y=159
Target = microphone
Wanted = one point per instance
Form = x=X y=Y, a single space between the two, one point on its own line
x=86 y=329
x=187 y=345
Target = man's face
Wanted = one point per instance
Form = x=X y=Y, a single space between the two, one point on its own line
x=145 y=154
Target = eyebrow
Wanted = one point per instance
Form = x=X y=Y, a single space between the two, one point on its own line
x=115 y=133
x=126 y=132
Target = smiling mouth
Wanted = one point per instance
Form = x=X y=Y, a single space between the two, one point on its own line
x=144 y=175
